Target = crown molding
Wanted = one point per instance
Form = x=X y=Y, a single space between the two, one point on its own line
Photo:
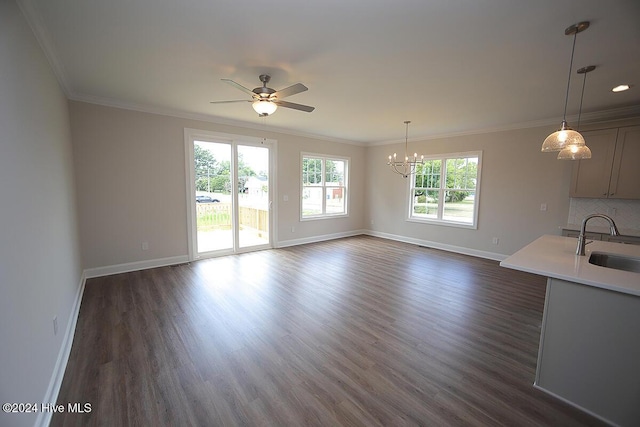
x=608 y=115
x=586 y=118
x=107 y=102
x=35 y=22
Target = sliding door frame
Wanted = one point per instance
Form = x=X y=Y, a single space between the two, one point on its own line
x=192 y=135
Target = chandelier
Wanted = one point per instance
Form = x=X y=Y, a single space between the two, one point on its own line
x=407 y=166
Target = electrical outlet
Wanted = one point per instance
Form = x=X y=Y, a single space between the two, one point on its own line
x=543 y=207
x=285 y=198
x=372 y=222
x=495 y=240
x=145 y=246
x=293 y=229
x=55 y=325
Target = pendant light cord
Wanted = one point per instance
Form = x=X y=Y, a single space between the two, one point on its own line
x=406 y=141
x=584 y=81
x=566 y=98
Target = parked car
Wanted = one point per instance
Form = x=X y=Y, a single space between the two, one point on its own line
x=206 y=199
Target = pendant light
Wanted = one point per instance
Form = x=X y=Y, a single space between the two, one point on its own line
x=578 y=152
x=406 y=166
x=565 y=135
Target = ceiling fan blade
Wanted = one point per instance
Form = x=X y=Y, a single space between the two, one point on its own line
x=291 y=90
x=228 y=102
x=295 y=106
x=239 y=86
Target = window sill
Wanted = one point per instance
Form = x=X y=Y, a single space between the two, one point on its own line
x=443 y=223
x=325 y=216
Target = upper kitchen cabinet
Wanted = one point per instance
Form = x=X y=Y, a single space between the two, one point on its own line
x=614 y=168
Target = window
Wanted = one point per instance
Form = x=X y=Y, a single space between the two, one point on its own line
x=324 y=186
x=445 y=190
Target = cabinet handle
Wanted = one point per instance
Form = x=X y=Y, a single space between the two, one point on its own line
x=604 y=194
x=611 y=194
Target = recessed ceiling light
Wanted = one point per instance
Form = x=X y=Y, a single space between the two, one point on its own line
x=620 y=88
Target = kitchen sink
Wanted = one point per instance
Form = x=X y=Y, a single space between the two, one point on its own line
x=618 y=262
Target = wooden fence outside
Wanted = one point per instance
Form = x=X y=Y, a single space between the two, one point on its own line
x=218 y=216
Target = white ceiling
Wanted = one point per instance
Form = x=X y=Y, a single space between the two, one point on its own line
x=449 y=66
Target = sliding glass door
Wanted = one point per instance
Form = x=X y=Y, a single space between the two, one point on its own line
x=230 y=194
x=253 y=196
x=213 y=203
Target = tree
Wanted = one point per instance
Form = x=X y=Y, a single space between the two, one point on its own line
x=221 y=179
x=460 y=179
x=333 y=172
x=244 y=173
x=205 y=166
x=312 y=171
x=215 y=176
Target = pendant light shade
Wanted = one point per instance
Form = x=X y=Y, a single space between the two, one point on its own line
x=566 y=136
x=562 y=138
x=574 y=152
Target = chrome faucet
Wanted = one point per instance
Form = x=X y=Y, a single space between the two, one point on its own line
x=581 y=239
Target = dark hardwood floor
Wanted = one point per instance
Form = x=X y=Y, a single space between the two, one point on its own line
x=356 y=331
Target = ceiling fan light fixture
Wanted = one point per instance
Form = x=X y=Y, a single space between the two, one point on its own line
x=265 y=100
x=264 y=108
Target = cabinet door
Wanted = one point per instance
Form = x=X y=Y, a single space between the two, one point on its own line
x=588 y=354
x=625 y=176
x=591 y=177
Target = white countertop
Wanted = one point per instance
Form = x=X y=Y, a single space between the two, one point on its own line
x=554 y=256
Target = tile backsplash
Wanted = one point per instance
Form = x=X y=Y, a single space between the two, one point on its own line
x=626 y=213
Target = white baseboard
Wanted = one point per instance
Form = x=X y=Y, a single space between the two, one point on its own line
x=51 y=396
x=427 y=243
x=436 y=245
x=134 y=266
x=314 y=239
x=575 y=405
x=162 y=262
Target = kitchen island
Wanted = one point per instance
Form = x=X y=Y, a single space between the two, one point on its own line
x=589 y=354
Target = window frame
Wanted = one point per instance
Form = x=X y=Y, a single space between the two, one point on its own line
x=440 y=220
x=324 y=186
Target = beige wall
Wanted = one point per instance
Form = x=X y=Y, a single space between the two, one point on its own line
x=40 y=268
x=516 y=179
x=130 y=173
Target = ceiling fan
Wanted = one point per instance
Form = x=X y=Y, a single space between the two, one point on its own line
x=266 y=100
